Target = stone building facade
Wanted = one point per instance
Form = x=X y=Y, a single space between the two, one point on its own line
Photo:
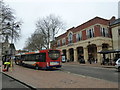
x=115 y=26
x=86 y=40
x=4 y=47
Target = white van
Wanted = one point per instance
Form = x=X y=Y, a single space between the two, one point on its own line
x=117 y=65
x=63 y=59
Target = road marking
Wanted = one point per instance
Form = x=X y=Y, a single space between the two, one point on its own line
x=84 y=76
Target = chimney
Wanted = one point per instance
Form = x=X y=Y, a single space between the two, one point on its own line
x=112 y=19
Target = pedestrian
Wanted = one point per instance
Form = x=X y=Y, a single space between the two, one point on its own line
x=103 y=62
x=7 y=63
x=90 y=61
x=95 y=60
x=107 y=60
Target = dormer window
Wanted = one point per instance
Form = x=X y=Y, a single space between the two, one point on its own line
x=58 y=43
x=70 y=37
x=79 y=36
x=104 y=32
x=63 y=41
x=90 y=33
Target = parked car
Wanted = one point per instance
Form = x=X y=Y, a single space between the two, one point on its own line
x=117 y=65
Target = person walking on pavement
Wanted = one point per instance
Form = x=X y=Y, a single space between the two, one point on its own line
x=7 y=63
x=103 y=61
x=90 y=60
x=107 y=61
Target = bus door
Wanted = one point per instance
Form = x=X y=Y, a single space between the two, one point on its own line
x=42 y=60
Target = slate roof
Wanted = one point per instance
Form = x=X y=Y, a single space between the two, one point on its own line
x=117 y=21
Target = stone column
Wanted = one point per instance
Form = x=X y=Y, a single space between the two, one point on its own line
x=75 y=55
x=99 y=58
x=68 y=54
x=85 y=54
x=110 y=56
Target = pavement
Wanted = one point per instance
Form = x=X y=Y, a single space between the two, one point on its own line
x=57 y=78
x=8 y=82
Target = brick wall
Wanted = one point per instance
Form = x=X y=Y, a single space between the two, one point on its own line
x=97 y=30
x=74 y=38
x=96 y=20
x=84 y=35
x=66 y=40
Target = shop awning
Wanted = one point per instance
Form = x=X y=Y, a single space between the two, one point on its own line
x=108 y=51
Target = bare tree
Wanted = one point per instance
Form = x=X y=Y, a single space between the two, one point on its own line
x=35 y=42
x=46 y=29
x=29 y=45
x=9 y=27
x=49 y=27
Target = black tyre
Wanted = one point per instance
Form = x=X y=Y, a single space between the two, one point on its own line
x=20 y=63
x=17 y=63
x=37 y=67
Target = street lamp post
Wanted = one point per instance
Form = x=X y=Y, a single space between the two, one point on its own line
x=12 y=26
x=9 y=30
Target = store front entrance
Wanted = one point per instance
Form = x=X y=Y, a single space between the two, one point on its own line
x=92 y=53
x=71 y=52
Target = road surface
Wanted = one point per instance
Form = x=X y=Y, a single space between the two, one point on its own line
x=108 y=74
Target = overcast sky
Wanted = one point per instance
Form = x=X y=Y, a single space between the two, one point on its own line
x=72 y=12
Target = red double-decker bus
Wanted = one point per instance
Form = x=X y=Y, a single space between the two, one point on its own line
x=43 y=59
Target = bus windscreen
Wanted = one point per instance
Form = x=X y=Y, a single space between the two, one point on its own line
x=54 y=54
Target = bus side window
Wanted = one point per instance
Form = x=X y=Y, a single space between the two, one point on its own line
x=32 y=58
x=40 y=58
x=23 y=57
x=37 y=57
x=26 y=57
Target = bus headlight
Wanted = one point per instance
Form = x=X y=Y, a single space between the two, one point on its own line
x=47 y=64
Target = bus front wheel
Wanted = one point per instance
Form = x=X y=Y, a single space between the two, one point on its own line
x=37 y=67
